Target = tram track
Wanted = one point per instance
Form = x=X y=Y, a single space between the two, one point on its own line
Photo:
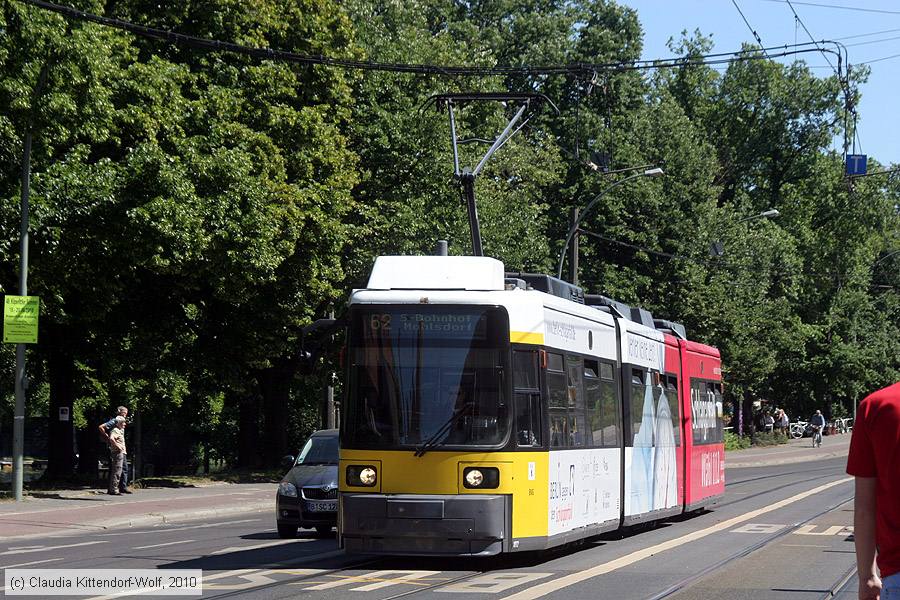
x=694 y=578
x=774 y=476
x=841 y=584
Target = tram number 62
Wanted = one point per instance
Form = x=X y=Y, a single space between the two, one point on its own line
x=380 y=322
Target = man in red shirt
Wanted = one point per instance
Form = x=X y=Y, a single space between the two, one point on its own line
x=875 y=462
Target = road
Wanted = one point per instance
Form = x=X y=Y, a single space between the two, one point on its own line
x=780 y=532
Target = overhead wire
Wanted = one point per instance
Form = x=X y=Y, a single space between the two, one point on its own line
x=749 y=26
x=875 y=60
x=859 y=35
x=838 y=6
x=581 y=68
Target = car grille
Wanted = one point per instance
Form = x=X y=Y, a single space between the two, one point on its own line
x=311 y=493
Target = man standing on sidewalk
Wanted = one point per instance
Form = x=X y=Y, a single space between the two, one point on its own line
x=116 y=455
x=873 y=461
x=105 y=430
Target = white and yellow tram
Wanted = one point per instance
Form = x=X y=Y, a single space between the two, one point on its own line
x=487 y=413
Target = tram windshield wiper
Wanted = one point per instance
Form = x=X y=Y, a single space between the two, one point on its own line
x=443 y=429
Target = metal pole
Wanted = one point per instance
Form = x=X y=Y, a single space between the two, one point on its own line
x=468 y=183
x=329 y=394
x=21 y=384
x=587 y=209
x=573 y=264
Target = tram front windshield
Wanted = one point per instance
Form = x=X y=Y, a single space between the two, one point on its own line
x=431 y=376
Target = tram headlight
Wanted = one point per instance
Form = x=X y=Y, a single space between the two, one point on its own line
x=361 y=475
x=482 y=478
x=474 y=478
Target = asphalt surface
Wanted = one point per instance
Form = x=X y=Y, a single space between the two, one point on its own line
x=782 y=531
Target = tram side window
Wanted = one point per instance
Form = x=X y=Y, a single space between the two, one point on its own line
x=528 y=398
x=525 y=370
x=576 y=417
x=600 y=397
x=638 y=392
x=528 y=419
x=557 y=395
x=671 y=387
x=706 y=426
x=556 y=382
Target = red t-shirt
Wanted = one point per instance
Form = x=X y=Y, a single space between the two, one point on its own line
x=875 y=452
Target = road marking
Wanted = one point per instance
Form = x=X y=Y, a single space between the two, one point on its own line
x=553 y=586
x=256 y=578
x=36 y=562
x=379 y=578
x=25 y=547
x=758 y=528
x=493 y=583
x=161 y=545
x=809 y=530
x=804 y=546
x=163 y=529
x=234 y=573
x=258 y=546
x=46 y=548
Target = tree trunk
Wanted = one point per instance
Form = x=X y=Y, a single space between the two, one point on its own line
x=248 y=432
x=61 y=375
x=275 y=386
x=89 y=445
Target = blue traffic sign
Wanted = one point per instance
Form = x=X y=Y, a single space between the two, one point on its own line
x=856 y=164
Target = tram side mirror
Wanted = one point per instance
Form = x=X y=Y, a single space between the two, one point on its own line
x=287 y=461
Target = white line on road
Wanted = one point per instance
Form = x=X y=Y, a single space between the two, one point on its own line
x=44 y=549
x=161 y=545
x=557 y=584
x=163 y=529
x=34 y=562
x=258 y=546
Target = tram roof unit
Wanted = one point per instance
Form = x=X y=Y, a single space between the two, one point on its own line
x=484 y=274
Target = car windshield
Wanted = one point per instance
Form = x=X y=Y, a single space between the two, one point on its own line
x=427 y=376
x=319 y=450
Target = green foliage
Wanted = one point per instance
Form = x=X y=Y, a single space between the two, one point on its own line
x=736 y=442
x=192 y=211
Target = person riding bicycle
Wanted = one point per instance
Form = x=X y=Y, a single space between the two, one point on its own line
x=818 y=424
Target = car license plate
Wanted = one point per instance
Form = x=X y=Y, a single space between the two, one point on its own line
x=322 y=506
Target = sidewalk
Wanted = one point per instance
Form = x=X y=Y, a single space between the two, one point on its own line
x=795 y=451
x=56 y=512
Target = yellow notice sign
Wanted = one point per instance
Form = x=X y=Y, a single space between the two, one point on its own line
x=20 y=319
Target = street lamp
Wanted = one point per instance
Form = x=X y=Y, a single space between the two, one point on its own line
x=717 y=248
x=766 y=214
x=654 y=172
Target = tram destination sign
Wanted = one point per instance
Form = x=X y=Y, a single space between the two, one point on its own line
x=20 y=319
x=463 y=325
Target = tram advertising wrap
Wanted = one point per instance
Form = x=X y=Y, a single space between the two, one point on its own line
x=584 y=488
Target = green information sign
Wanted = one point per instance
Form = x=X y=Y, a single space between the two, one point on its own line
x=20 y=319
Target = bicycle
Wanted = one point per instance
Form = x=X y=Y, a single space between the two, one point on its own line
x=797 y=429
x=817 y=437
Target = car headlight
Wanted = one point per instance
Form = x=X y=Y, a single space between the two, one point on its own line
x=286 y=488
x=481 y=477
x=361 y=475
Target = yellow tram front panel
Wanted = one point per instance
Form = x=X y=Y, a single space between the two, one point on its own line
x=523 y=475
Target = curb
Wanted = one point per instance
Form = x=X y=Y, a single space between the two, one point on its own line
x=146 y=519
x=783 y=461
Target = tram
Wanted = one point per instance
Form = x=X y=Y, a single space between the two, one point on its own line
x=488 y=412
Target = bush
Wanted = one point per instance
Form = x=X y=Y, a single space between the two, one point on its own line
x=769 y=439
x=735 y=442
